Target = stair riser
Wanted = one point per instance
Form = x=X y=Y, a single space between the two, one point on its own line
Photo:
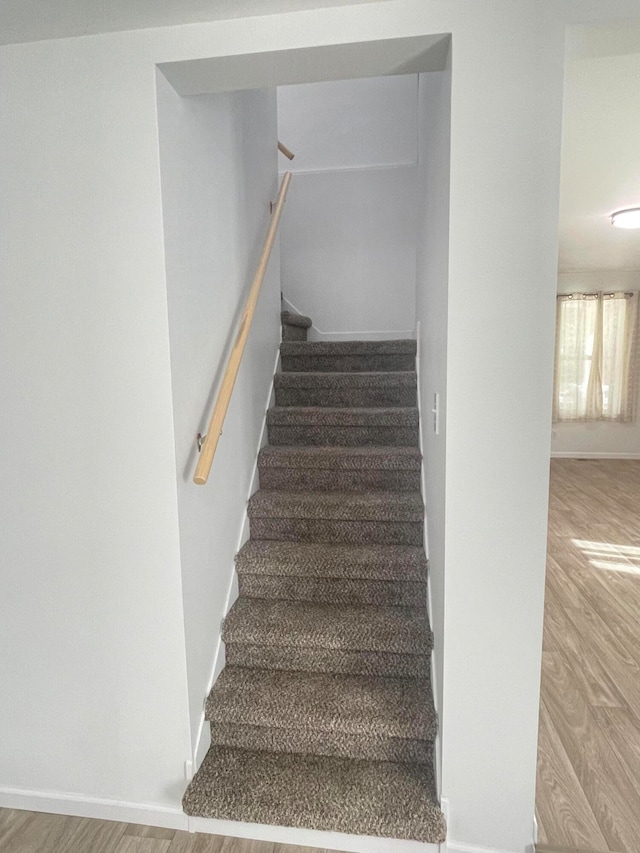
x=321 y=743
x=348 y=363
x=293 y=333
x=337 y=591
x=323 y=480
x=334 y=436
x=347 y=398
x=341 y=661
x=333 y=530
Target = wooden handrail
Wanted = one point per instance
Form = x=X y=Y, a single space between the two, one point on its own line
x=284 y=150
x=224 y=395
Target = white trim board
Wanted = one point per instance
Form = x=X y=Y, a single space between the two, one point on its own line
x=203 y=739
x=591 y=454
x=423 y=489
x=397 y=335
x=316 y=334
x=59 y=802
x=309 y=837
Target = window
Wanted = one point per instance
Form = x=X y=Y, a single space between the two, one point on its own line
x=596 y=357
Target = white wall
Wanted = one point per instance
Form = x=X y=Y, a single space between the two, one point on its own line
x=348 y=231
x=431 y=310
x=218 y=162
x=349 y=124
x=94 y=695
x=598 y=439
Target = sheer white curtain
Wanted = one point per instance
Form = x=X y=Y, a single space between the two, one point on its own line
x=596 y=368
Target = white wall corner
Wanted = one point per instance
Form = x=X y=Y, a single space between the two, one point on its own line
x=203 y=739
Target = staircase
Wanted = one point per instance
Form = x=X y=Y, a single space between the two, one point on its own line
x=323 y=717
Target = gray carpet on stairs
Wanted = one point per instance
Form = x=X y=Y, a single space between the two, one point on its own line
x=348 y=390
x=294 y=326
x=383 y=798
x=323 y=717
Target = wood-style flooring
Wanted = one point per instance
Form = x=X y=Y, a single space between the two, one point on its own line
x=588 y=789
x=33 y=832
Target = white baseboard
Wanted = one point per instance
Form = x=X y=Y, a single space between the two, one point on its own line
x=316 y=334
x=398 y=334
x=203 y=739
x=309 y=837
x=434 y=675
x=56 y=802
x=591 y=454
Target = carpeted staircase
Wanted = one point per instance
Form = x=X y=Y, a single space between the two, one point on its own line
x=323 y=717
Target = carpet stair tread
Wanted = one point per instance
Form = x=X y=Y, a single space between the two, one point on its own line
x=393 y=593
x=376 y=798
x=288 y=318
x=380 y=562
x=319 y=416
x=334 y=379
x=348 y=704
x=347 y=506
x=341 y=458
x=360 y=348
x=320 y=625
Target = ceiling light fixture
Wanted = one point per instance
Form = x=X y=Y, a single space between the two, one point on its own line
x=629 y=218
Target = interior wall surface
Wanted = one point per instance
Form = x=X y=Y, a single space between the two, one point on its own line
x=219 y=173
x=349 y=230
x=598 y=438
x=94 y=689
x=94 y=698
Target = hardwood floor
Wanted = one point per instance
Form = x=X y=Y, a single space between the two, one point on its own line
x=34 y=832
x=588 y=789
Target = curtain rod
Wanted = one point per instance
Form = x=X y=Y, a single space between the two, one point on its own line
x=628 y=294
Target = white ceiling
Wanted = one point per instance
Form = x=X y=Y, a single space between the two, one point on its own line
x=33 y=20
x=600 y=162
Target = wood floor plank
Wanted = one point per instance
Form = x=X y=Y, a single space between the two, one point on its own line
x=140 y=831
x=545 y=848
x=84 y=834
x=561 y=801
x=294 y=848
x=12 y=828
x=590 y=680
x=45 y=833
x=188 y=842
x=245 y=845
x=133 y=844
x=620 y=728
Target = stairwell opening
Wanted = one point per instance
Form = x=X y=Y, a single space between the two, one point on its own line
x=218 y=126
